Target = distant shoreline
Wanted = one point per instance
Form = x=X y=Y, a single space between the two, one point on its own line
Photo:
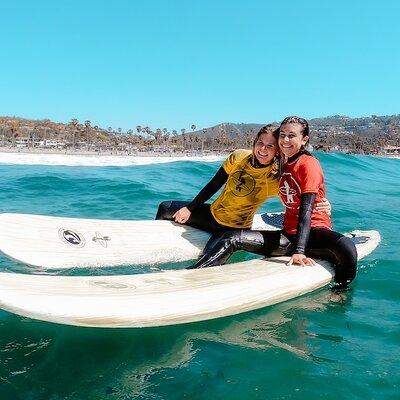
x=54 y=157
x=81 y=152
x=122 y=153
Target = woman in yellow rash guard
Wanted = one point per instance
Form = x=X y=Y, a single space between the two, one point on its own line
x=250 y=178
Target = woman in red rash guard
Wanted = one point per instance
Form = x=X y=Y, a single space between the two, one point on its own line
x=306 y=232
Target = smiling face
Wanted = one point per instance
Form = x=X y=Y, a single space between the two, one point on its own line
x=265 y=148
x=291 y=139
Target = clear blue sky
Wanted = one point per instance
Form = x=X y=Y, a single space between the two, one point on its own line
x=171 y=63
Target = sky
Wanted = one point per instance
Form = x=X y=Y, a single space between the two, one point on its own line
x=174 y=63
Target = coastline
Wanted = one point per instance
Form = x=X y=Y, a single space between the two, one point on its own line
x=81 y=157
x=147 y=153
x=82 y=152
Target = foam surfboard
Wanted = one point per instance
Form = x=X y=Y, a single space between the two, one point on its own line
x=168 y=297
x=58 y=242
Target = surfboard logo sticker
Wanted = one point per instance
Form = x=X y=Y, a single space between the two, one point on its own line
x=100 y=239
x=71 y=237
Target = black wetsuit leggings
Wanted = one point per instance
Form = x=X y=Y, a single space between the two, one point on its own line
x=200 y=218
x=322 y=243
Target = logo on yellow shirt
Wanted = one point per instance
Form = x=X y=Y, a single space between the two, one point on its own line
x=241 y=183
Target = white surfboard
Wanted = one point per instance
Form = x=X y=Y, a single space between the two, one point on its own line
x=168 y=297
x=57 y=242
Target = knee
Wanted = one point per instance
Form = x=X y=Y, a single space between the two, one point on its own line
x=244 y=239
x=163 y=208
x=347 y=251
x=232 y=238
x=346 y=270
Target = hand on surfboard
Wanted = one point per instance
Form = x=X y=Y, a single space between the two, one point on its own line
x=300 y=259
x=182 y=215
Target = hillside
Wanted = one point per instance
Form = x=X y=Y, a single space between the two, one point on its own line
x=334 y=133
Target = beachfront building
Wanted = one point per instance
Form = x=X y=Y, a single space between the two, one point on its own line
x=390 y=151
x=23 y=142
x=52 y=144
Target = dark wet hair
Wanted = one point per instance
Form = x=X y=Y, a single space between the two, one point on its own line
x=269 y=128
x=265 y=129
x=305 y=131
x=274 y=130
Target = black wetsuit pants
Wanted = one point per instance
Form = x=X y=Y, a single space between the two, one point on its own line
x=322 y=243
x=200 y=218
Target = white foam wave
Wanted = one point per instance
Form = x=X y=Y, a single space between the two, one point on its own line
x=92 y=160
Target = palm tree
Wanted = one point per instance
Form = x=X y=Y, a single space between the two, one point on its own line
x=3 y=136
x=203 y=137
x=14 y=131
x=74 y=124
x=34 y=133
x=166 y=136
x=158 y=134
x=174 y=133
x=87 y=130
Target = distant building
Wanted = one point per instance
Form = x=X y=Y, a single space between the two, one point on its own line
x=391 y=150
x=22 y=142
x=52 y=144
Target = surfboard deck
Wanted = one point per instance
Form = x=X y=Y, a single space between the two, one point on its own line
x=168 y=297
x=58 y=242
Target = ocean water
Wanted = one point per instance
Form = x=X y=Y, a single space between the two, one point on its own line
x=312 y=347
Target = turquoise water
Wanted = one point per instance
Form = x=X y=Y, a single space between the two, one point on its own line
x=313 y=347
